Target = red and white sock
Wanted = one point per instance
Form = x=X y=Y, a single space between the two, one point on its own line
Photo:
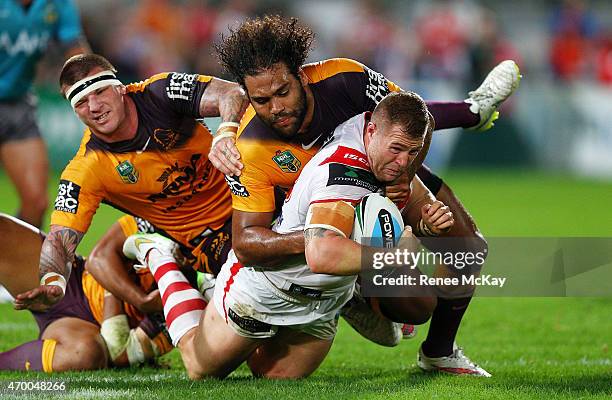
x=183 y=305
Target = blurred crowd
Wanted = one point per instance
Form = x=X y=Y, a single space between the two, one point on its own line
x=440 y=39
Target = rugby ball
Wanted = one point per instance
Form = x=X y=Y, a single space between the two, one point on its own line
x=378 y=222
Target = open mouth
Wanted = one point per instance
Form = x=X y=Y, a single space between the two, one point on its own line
x=102 y=118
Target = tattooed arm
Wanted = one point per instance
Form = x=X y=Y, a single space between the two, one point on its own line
x=57 y=255
x=228 y=100
x=225 y=99
x=328 y=252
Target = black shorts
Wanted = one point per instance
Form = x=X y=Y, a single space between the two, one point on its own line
x=74 y=304
x=18 y=119
x=431 y=180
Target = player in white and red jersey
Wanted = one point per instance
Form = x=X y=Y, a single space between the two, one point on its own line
x=283 y=322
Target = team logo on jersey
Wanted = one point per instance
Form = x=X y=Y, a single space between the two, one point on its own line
x=340 y=174
x=127 y=172
x=182 y=182
x=166 y=139
x=67 y=199
x=236 y=187
x=181 y=86
x=287 y=161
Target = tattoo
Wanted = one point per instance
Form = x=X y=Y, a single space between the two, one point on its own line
x=224 y=99
x=58 y=250
x=312 y=233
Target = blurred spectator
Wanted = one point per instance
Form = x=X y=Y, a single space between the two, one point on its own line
x=443 y=43
x=27 y=27
x=489 y=47
x=604 y=59
x=573 y=27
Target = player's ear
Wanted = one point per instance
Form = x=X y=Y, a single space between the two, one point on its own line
x=122 y=89
x=369 y=131
x=303 y=77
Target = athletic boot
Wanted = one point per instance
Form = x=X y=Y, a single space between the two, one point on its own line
x=495 y=89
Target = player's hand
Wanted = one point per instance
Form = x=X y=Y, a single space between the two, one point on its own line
x=224 y=156
x=399 y=191
x=408 y=241
x=151 y=303
x=438 y=217
x=39 y=299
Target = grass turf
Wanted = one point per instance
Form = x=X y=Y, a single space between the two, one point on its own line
x=542 y=348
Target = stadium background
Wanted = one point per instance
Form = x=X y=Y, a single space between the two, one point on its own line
x=544 y=170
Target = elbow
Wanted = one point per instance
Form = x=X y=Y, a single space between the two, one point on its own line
x=317 y=257
x=241 y=247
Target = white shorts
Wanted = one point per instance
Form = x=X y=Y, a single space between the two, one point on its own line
x=255 y=308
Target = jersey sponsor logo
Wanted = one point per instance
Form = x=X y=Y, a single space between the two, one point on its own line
x=348 y=156
x=248 y=324
x=181 y=181
x=67 y=199
x=236 y=187
x=376 y=88
x=341 y=174
x=127 y=172
x=215 y=249
x=181 y=86
x=26 y=42
x=286 y=161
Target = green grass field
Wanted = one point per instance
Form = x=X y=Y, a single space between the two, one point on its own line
x=536 y=348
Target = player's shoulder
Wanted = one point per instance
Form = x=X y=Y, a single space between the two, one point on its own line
x=143 y=85
x=253 y=130
x=168 y=81
x=321 y=70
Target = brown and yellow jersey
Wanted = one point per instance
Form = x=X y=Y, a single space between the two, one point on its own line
x=161 y=175
x=342 y=88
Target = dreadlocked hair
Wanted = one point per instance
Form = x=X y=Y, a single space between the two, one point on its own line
x=259 y=43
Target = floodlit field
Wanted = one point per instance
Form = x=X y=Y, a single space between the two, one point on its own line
x=543 y=348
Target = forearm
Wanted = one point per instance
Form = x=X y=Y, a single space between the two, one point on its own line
x=58 y=251
x=223 y=99
x=333 y=255
x=419 y=196
x=257 y=245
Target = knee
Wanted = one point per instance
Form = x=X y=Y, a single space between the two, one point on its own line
x=409 y=310
x=424 y=308
x=87 y=354
x=196 y=371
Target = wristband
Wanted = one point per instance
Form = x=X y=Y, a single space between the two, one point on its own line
x=54 y=279
x=225 y=129
x=225 y=125
x=218 y=136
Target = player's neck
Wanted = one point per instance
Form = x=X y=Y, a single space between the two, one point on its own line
x=309 y=110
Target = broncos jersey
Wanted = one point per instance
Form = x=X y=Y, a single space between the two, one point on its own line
x=162 y=175
x=342 y=88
